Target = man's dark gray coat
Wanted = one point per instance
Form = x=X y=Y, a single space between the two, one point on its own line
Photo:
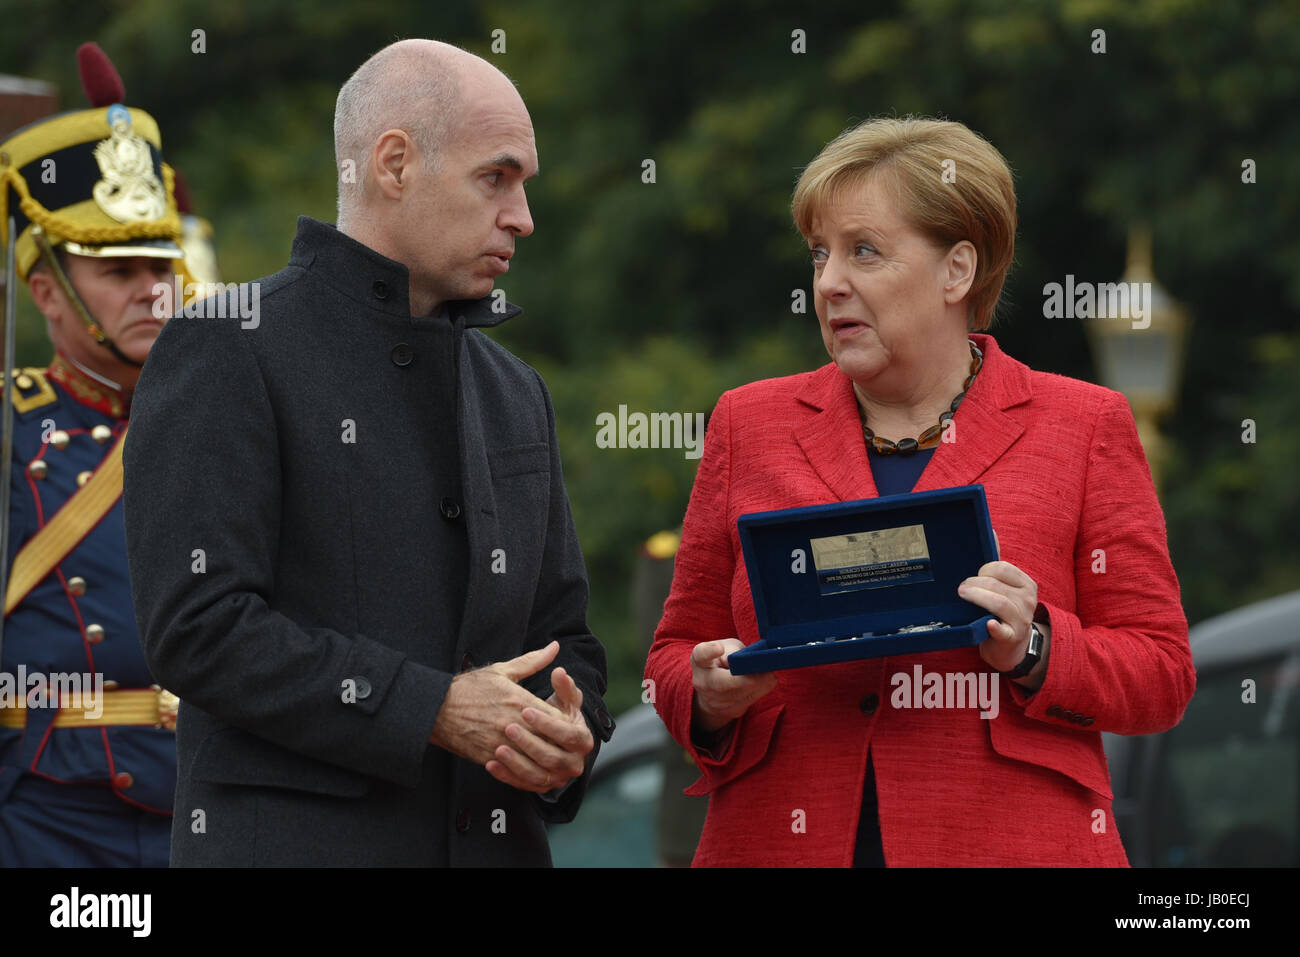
x=307 y=586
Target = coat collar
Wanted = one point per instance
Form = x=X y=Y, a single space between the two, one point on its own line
x=88 y=389
x=358 y=272
x=832 y=439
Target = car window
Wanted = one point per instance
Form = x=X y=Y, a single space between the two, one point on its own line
x=1226 y=785
x=616 y=826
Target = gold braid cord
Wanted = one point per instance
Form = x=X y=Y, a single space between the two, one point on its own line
x=169 y=227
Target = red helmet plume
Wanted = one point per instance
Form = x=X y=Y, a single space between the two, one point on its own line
x=99 y=78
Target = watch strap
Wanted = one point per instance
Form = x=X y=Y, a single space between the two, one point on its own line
x=1033 y=654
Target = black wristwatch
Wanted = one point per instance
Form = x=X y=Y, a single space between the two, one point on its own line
x=1032 y=654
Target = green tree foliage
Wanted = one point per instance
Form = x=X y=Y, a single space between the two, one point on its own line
x=1235 y=510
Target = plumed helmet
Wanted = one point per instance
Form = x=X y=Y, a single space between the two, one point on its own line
x=93 y=180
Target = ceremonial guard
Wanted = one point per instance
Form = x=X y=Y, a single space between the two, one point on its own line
x=87 y=742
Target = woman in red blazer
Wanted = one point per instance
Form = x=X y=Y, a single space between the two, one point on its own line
x=831 y=765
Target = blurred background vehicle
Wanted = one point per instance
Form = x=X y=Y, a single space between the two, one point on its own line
x=1222 y=789
x=620 y=821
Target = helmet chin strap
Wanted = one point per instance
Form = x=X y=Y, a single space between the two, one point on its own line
x=47 y=253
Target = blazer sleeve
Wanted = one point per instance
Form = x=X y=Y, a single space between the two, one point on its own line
x=560 y=614
x=699 y=609
x=202 y=507
x=1120 y=660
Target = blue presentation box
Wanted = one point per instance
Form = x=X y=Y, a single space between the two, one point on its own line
x=864 y=579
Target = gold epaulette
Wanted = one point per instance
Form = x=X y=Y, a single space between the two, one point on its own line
x=31 y=390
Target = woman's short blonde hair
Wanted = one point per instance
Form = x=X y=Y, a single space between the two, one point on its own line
x=950 y=183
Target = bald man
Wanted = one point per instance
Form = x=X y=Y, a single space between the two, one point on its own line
x=362 y=578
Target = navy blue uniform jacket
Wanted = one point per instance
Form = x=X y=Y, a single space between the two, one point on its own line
x=52 y=631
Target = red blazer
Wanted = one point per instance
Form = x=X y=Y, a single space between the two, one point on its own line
x=1070 y=494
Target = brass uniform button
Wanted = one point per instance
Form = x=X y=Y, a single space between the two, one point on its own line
x=110 y=685
x=76 y=586
x=101 y=434
x=94 y=635
x=39 y=469
x=83 y=478
x=59 y=439
x=23 y=381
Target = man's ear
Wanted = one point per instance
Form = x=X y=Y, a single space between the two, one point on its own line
x=47 y=294
x=959 y=274
x=391 y=161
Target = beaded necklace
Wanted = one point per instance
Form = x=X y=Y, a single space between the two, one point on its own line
x=931 y=436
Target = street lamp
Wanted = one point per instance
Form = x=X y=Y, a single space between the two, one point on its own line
x=1138 y=336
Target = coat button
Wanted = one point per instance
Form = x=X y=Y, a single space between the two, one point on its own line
x=1087 y=721
x=83 y=478
x=380 y=289
x=101 y=434
x=363 y=687
x=59 y=439
x=462 y=821
x=466 y=663
x=402 y=355
x=123 y=780
x=870 y=703
x=94 y=634
x=76 y=586
x=39 y=469
x=1054 y=710
x=450 y=510
x=110 y=685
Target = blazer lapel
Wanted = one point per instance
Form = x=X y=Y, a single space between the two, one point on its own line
x=983 y=430
x=832 y=439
